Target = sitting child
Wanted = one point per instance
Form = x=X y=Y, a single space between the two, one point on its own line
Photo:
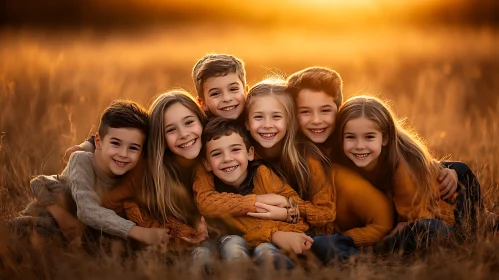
x=77 y=192
x=229 y=156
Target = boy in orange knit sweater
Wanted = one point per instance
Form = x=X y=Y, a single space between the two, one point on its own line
x=229 y=156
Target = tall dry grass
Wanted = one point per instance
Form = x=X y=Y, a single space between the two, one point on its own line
x=53 y=88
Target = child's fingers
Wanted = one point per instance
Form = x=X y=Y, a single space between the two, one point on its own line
x=263 y=205
x=443 y=174
x=444 y=188
x=258 y=215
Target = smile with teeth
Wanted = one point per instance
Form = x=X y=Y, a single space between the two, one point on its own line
x=268 y=135
x=120 y=163
x=188 y=144
x=230 y=169
x=361 y=155
x=318 y=131
x=229 y=108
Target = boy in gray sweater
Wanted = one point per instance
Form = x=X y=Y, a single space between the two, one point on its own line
x=73 y=198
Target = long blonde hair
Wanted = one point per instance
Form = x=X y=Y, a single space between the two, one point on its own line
x=293 y=164
x=164 y=190
x=402 y=145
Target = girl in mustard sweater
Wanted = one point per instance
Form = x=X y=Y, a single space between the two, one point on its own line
x=397 y=163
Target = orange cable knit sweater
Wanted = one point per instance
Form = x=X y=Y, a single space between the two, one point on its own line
x=319 y=211
x=124 y=200
x=411 y=205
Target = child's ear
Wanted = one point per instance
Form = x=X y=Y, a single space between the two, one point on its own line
x=98 y=142
x=206 y=165
x=251 y=153
x=385 y=141
x=246 y=89
x=202 y=104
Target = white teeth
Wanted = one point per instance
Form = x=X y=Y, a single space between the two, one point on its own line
x=318 y=130
x=230 y=169
x=188 y=144
x=268 y=135
x=360 y=155
x=120 y=163
x=229 y=108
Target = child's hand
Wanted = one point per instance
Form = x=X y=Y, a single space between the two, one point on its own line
x=448 y=183
x=68 y=153
x=294 y=242
x=273 y=199
x=150 y=236
x=202 y=233
x=269 y=212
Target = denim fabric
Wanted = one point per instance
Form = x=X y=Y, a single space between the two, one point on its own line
x=329 y=247
x=233 y=247
x=469 y=199
x=268 y=252
x=417 y=235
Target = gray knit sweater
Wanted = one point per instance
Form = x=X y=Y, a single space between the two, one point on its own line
x=87 y=184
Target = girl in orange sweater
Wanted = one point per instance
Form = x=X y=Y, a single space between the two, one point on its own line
x=397 y=163
x=157 y=193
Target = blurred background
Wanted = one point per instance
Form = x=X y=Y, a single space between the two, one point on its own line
x=63 y=61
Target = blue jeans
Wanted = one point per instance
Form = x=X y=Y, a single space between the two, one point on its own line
x=329 y=247
x=469 y=199
x=234 y=247
x=267 y=252
x=417 y=235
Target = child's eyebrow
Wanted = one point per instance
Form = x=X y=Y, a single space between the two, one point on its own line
x=188 y=116
x=114 y=138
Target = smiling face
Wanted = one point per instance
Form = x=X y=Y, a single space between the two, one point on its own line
x=227 y=157
x=119 y=150
x=363 y=142
x=267 y=121
x=316 y=114
x=224 y=96
x=182 y=131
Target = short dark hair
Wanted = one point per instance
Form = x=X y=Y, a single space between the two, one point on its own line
x=218 y=127
x=317 y=79
x=124 y=114
x=215 y=65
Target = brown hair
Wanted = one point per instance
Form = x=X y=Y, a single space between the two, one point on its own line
x=293 y=163
x=124 y=114
x=402 y=145
x=317 y=79
x=164 y=190
x=215 y=65
x=218 y=127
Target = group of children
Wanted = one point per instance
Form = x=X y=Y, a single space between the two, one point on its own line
x=285 y=167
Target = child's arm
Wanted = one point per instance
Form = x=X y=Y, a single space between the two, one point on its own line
x=89 y=211
x=87 y=146
x=212 y=203
x=177 y=229
x=409 y=202
x=318 y=212
x=366 y=204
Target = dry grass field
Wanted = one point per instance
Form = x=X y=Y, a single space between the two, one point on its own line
x=53 y=86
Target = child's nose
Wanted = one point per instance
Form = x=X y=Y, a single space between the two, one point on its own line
x=316 y=118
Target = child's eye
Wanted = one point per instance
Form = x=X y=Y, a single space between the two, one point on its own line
x=189 y=122
x=234 y=89
x=257 y=117
x=304 y=112
x=134 y=148
x=350 y=137
x=115 y=143
x=215 y=154
x=326 y=110
x=277 y=117
x=370 y=137
x=215 y=93
x=236 y=149
x=169 y=130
